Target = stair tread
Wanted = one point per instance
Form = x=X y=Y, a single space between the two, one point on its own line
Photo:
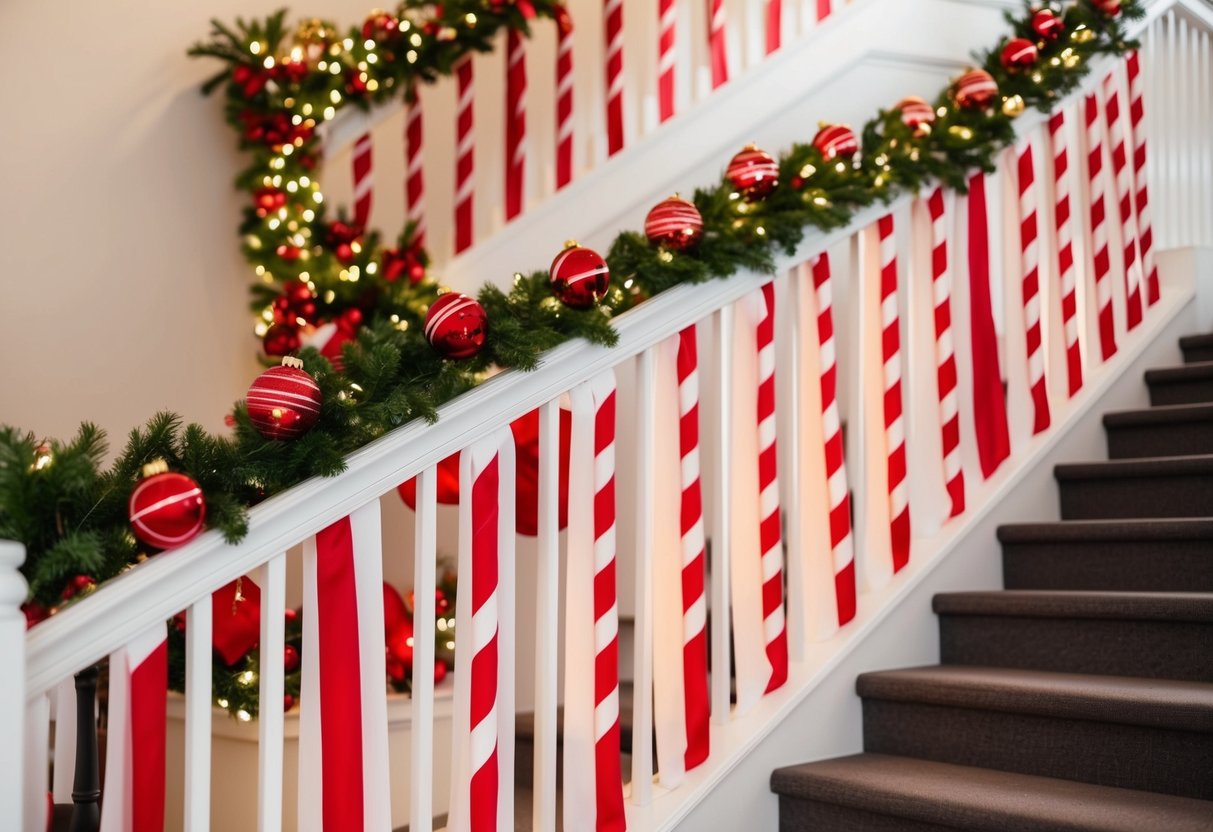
x=1202 y=339
x=985 y=799
x=1063 y=531
x=1157 y=703
x=1148 y=467
x=1035 y=603
x=1168 y=414
x=1194 y=371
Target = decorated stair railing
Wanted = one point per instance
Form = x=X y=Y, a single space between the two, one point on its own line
x=793 y=443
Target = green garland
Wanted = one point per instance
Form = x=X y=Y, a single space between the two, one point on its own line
x=56 y=498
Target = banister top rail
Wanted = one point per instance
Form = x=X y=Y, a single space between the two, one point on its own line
x=156 y=590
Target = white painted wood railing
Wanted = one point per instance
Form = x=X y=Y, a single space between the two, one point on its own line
x=1179 y=104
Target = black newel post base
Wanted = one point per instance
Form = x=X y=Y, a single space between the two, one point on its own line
x=86 y=784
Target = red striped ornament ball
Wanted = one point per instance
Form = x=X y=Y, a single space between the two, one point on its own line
x=1019 y=53
x=284 y=402
x=456 y=326
x=674 y=224
x=1109 y=7
x=975 y=89
x=836 y=141
x=580 y=276
x=754 y=173
x=1047 y=25
x=916 y=114
x=166 y=509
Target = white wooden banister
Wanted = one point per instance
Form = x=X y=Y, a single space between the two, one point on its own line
x=12 y=693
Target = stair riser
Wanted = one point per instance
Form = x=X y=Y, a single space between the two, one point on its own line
x=1193 y=355
x=1109 y=647
x=1129 y=566
x=1123 y=756
x=796 y=815
x=1181 y=392
x=1106 y=498
x=1176 y=439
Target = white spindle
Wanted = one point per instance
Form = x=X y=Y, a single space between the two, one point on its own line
x=1171 y=146
x=718 y=592
x=787 y=412
x=642 y=678
x=12 y=692
x=198 y=662
x=547 y=619
x=272 y=577
x=421 y=774
x=37 y=750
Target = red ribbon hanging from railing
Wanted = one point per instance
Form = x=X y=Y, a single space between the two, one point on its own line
x=613 y=33
x=770 y=544
x=1064 y=246
x=515 y=124
x=823 y=9
x=1141 y=201
x=667 y=18
x=564 y=97
x=465 y=146
x=717 y=43
x=363 y=181
x=774 y=27
x=1099 y=228
x=1123 y=177
x=894 y=421
x=1029 y=245
x=414 y=191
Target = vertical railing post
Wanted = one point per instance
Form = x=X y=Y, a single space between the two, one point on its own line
x=642 y=699
x=12 y=692
x=547 y=619
x=86 y=785
x=718 y=552
x=421 y=773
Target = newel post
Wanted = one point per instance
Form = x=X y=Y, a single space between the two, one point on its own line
x=12 y=688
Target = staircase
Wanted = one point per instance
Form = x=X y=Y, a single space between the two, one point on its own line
x=1081 y=696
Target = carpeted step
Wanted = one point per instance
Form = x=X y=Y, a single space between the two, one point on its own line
x=1109 y=555
x=881 y=793
x=1197 y=348
x=1149 y=734
x=1144 y=634
x=1185 y=384
x=1137 y=488
x=1174 y=430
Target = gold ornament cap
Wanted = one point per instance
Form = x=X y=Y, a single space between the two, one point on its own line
x=571 y=244
x=292 y=362
x=156 y=466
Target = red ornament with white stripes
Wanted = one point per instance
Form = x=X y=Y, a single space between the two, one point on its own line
x=674 y=224
x=1047 y=25
x=1099 y=228
x=1123 y=177
x=945 y=355
x=917 y=114
x=753 y=172
x=894 y=423
x=456 y=325
x=1030 y=288
x=1141 y=198
x=975 y=89
x=580 y=276
x=1064 y=246
x=284 y=402
x=770 y=545
x=166 y=509
x=836 y=141
x=1019 y=54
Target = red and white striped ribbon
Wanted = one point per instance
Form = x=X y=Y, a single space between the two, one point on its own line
x=1064 y=246
x=482 y=791
x=465 y=145
x=774 y=25
x=842 y=544
x=593 y=780
x=1123 y=176
x=823 y=9
x=1029 y=245
x=667 y=18
x=1099 y=228
x=989 y=396
x=135 y=751
x=694 y=599
x=613 y=32
x=717 y=42
x=343 y=752
x=945 y=354
x=414 y=189
x=515 y=124
x=769 y=539
x=363 y=183
x=1145 y=231
x=894 y=423
x=564 y=99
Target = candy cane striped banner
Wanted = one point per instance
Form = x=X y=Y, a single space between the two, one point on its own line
x=774 y=25
x=613 y=31
x=1029 y=245
x=343 y=754
x=716 y=42
x=945 y=354
x=135 y=751
x=363 y=183
x=1123 y=178
x=414 y=191
x=564 y=97
x=989 y=399
x=1099 y=228
x=667 y=17
x=1064 y=246
x=769 y=534
x=465 y=146
x=482 y=767
x=593 y=780
x=894 y=423
x=841 y=540
x=515 y=124
x=1141 y=201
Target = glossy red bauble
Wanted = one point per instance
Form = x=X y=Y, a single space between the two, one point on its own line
x=284 y=402
x=675 y=224
x=456 y=325
x=916 y=113
x=836 y=141
x=166 y=509
x=580 y=276
x=975 y=89
x=754 y=173
x=1047 y=25
x=281 y=339
x=1019 y=53
x=290 y=658
x=1109 y=7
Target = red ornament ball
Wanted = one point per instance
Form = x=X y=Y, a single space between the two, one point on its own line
x=380 y=26
x=1109 y=7
x=1019 y=53
x=284 y=402
x=836 y=141
x=675 y=224
x=1047 y=25
x=290 y=658
x=975 y=89
x=916 y=114
x=166 y=509
x=753 y=172
x=288 y=701
x=439 y=671
x=268 y=200
x=580 y=276
x=78 y=586
x=281 y=339
x=456 y=325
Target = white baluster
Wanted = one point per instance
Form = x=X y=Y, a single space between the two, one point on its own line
x=12 y=692
x=272 y=577
x=547 y=619
x=642 y=693
x=787 y=412
x=37 y=751
x=199 y=652
x=1171 y=143
x=718 y=592
x=421 y=785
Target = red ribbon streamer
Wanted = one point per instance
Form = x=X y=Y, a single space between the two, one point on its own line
x=149 y=701
x=515 y=124
x=485 y=780
x=993 y=434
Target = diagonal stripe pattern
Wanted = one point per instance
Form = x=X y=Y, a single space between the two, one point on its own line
x=894 y=422
x=1064 y=230
x=769 y=537
x=1029 y=244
